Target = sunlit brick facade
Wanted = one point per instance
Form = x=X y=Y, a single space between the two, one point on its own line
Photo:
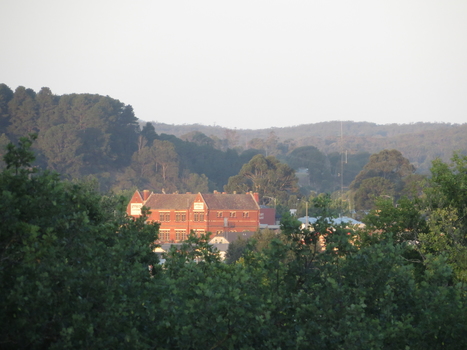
x=178 y=214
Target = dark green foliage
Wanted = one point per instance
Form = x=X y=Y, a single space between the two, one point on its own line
x=78 y=134
x=388 y=164
x=421 y=143
x=20 y=156
x=85 y=134
x=148 y=134
x=402 y=222
x=259 y=241
x=73 y=267
x=201 y=158
x=446 y=205
x=236 y=250
x=266 y=176
x=315 y=162
x=74 y=274
x=6 y=94
x=386 y=174
x=23 y=110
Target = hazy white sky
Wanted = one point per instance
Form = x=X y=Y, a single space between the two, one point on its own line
x=246 y=64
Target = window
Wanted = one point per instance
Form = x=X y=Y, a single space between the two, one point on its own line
x=180 y=216
x=198 y=217
x=219 y=214
x=164 y=235
x=164 y=216
x=246 y=214
x=233 y=214
x=180 y=235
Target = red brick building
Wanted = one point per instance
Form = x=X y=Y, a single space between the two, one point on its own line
x=178 y=214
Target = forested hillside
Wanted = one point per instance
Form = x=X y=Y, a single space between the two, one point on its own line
x=99 y=137
x=93 y=136
x=421 y=143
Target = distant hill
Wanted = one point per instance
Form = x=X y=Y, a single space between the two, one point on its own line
x=100 y=138
x=419 y=142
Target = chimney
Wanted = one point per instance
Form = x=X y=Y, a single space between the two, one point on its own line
x=145 y=195
x=256 y=196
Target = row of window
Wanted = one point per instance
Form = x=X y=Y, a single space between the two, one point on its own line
x=165 y=216
x=180 y=235
x=198 y=216
x=233 y=214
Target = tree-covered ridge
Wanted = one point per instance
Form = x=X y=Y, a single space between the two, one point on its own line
x=93 y=136
x=79 y=134
x=76 y=272
x=82 y=135
x=421 y=143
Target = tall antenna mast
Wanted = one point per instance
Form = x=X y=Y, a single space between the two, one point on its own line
x=342 y=162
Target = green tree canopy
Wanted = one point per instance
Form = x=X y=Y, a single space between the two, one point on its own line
x=74 y=274
x=383 y=175
x=6 y=94
x=388 y=164
x=446 y=207
x=315 y=162
x=265 y=175
x=72 y=265
x=23 y=110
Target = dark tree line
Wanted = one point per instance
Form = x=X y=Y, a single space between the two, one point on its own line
x=93 y=136
x=76 y=272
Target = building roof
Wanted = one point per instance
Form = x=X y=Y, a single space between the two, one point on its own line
x=221 y=201
x=217 y=201
x=232 y=236
x=170 y=201
x=221 y=247
x=334 y=221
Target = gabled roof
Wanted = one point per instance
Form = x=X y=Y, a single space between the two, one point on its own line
x=219 y=201
x=215 y=201
x=136 y=198
x=170 y=201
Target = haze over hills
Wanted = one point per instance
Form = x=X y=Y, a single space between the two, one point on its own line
x=419 y=142
x=324 y=129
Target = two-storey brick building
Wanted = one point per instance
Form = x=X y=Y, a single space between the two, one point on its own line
x=178 y=214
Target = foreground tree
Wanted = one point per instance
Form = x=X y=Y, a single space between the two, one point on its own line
x=74 y=274
x=72 y=265
x=447 y=210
